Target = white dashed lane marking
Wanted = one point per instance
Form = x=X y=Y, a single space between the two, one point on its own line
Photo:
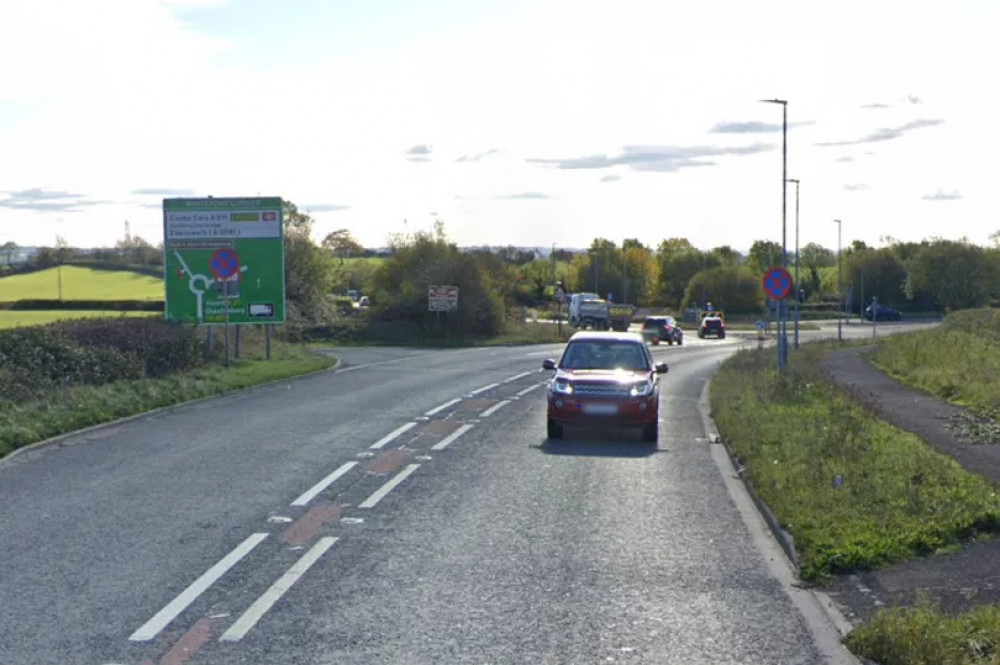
x=151 y=628
x=493 y=409
x=438 y=409
x=373 y=500
x=323 y=484
x=393 y=434
x=448 y=440
x=253 y=614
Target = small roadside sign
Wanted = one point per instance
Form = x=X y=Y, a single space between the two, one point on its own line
x=777 y=283
x=442 y=298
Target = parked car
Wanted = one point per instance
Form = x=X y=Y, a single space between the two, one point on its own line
x=882 y=313
x=605 y=380
x=712 y=325
x=656 y=329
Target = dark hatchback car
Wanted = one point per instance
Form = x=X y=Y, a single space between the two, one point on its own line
x=605 y=380
x=656 y=329
x=882 y=313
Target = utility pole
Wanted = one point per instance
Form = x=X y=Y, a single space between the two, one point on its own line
x=783 y=303
x=797 y=290
x=840 y=298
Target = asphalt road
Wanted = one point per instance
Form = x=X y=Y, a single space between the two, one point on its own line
x=405 y=508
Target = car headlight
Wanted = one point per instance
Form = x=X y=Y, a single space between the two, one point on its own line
x=562 y=387
x=641 y=389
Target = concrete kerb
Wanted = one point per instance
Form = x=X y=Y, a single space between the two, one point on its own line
x=821 y=602
x=170 y=408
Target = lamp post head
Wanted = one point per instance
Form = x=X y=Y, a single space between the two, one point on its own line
x=773 y=101
x=792 y=180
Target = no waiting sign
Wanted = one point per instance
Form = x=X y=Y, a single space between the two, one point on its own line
x=442 y=298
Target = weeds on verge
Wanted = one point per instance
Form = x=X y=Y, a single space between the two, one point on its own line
x=924 y=635
x=854 y=492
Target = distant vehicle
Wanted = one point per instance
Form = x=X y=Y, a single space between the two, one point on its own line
x=656 y=329
x=605 y=380
x=882 y=313
x=620 y=316
x=588 y=310
x=712 y=326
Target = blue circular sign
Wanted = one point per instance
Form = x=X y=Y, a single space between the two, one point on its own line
x=777 y=283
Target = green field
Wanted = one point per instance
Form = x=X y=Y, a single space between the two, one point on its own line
x=20 y=318
x=80 y=283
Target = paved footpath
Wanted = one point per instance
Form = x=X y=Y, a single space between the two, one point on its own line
x=958 y=581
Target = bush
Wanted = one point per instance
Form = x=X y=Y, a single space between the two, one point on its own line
x=91 y=352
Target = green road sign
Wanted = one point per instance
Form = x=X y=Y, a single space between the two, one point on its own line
x=220 y=253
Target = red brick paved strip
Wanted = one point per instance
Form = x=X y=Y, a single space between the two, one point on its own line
x=387 y=462
x=306 y=527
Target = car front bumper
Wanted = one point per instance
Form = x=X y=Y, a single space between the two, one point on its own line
x=572 y=410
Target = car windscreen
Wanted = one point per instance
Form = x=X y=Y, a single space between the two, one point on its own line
x=604 y=355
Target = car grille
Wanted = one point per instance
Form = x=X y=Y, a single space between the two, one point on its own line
x=600 y=390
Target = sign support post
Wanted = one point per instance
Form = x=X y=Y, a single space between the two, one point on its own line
x=777 y=285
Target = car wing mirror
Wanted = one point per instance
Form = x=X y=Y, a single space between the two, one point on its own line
x=661 y=368
x=548 y=363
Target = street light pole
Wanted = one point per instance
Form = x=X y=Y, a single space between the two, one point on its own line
x=840 y=298
x=797 y=291
x=783 y=305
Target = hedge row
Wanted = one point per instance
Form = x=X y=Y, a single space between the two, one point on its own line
x=91 y=352
x=116 y=305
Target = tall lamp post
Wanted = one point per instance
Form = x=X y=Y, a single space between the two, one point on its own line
x=797 y=291
x=840 y=298
x=783 y=306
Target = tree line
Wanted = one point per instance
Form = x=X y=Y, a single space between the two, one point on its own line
x=930 y=275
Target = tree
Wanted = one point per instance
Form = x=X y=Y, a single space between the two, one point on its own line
x=730 y=289
x=875 y=272
x=725 y=255
x=342 y=244
x=309 y=270
x=9 y=249
x=814 y=255
x=956 y=273
x=424 y=259
x=763 y=254
x=678 y=261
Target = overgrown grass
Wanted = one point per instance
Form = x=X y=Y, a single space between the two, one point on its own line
x=924 y=635
x=21 y=318
x=75 y=407
x=958 y=360
x=796 y=434
x=79 y=283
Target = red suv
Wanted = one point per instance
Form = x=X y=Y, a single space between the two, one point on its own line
x=605 y=380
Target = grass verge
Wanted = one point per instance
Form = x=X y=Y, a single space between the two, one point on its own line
x=957 y=361
x=853 y=491
x=924 y=635
x=76 y=407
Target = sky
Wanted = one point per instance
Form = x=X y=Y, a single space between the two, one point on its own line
x=529 y=123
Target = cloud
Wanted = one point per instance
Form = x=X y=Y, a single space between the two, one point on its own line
x=40 y=199
x=753 y=127
x=856 y=188
x=912 y=99
x=886 y=133
x=155 y=191
x=476 y=158
x=845 y=158
x=524 y=195
x=325 y=207
x=610 y=178
x=939 y=195
x=418 y=153
x=654 y=158
x=876 y=106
